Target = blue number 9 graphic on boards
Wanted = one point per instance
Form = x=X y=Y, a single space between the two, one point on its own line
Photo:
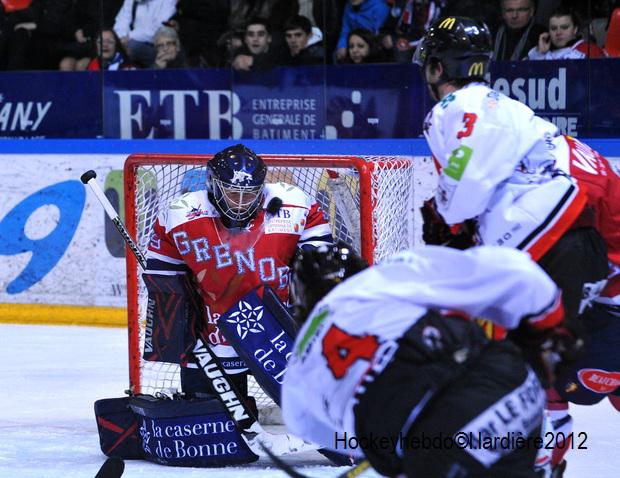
x=69 y=198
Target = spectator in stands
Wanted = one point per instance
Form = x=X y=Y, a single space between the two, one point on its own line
x=84 y=24
x=229 y=44
x=110 y=52
x=168 y=51
x=368 y=14
x=406 y=24
x=200 y=25
x=136 y=24
x=35 y=33
x=84 y=20
x=326 y=15
x=518 y=32
x=562 y=41
x=18 y=21
x=256 y=53
x=363 y=47
x=305 y=45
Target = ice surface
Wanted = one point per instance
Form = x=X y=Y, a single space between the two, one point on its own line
x=51 y=376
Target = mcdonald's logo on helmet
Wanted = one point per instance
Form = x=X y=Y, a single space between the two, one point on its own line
x=476 y=69
x=447 y=23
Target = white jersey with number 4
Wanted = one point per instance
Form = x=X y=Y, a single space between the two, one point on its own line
x=355 y=327
x=497 y=165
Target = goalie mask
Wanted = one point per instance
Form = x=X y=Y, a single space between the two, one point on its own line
x=461 y=44
x=236 y=181
x=317 y=271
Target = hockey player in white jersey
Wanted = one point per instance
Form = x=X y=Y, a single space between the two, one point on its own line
x=499 y=183
x=388 y=362
x=504 y=180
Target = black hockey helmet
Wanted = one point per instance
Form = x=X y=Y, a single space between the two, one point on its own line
x=236 y=178
x=316 y=271
x=462 y=45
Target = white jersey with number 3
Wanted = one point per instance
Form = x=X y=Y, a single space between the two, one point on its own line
x=497 y=166
x=355 y=327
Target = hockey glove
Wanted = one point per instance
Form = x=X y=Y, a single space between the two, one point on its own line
x=436 y=231
x=546 y=350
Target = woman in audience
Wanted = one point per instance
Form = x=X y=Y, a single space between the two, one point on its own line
x=562 y=41
x=168 y=51
x=362 y=47
x=110 y=52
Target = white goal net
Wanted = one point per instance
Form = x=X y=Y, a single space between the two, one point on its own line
x=371 y=203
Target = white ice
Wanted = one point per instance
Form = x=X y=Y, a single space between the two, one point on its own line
x=51 y=376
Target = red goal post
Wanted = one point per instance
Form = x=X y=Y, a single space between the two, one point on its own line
x=371 y=203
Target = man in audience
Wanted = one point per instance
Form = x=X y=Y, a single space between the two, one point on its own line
x=256 y=53
x=518 y=32
x=563 y=40
x=304 y=43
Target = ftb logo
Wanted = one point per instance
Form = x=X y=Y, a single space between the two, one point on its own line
x=247 y=319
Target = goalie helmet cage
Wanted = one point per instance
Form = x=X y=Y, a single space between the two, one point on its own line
x=369 y=201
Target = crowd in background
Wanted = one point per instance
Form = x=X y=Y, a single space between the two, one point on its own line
x=250 y=35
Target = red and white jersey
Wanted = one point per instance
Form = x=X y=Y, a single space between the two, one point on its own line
x=354 y=328
x=227 y=264
x=601 y=181
x=496 y=166
x=577 y=51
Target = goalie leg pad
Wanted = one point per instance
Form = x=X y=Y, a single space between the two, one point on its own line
x=118 y=429
x=173 y=309
x=198 y=433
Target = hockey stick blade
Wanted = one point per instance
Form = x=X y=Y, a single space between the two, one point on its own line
x=354 y=472
x=281 y=464
x=113 y=467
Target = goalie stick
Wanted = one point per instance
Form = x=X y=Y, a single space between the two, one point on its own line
x=113 y=467
x=207 y=360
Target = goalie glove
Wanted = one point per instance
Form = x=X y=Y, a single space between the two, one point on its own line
x=435 y=230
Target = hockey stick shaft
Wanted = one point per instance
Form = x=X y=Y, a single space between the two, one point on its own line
x=89 y=178
x=113 y=467
x=352 y=472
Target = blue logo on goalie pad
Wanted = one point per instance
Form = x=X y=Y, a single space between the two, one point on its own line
x=189 y=433
x=262 y=333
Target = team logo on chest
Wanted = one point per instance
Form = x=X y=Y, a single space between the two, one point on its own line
x=240 y=177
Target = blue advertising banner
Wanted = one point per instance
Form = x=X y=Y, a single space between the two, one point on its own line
x=175 y=104
x=303 y=103
x=50 y=105
x=374 y=101
x=555 y=90
x=283 y=103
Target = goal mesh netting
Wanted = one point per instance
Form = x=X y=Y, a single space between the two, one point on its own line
x=369 y=202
